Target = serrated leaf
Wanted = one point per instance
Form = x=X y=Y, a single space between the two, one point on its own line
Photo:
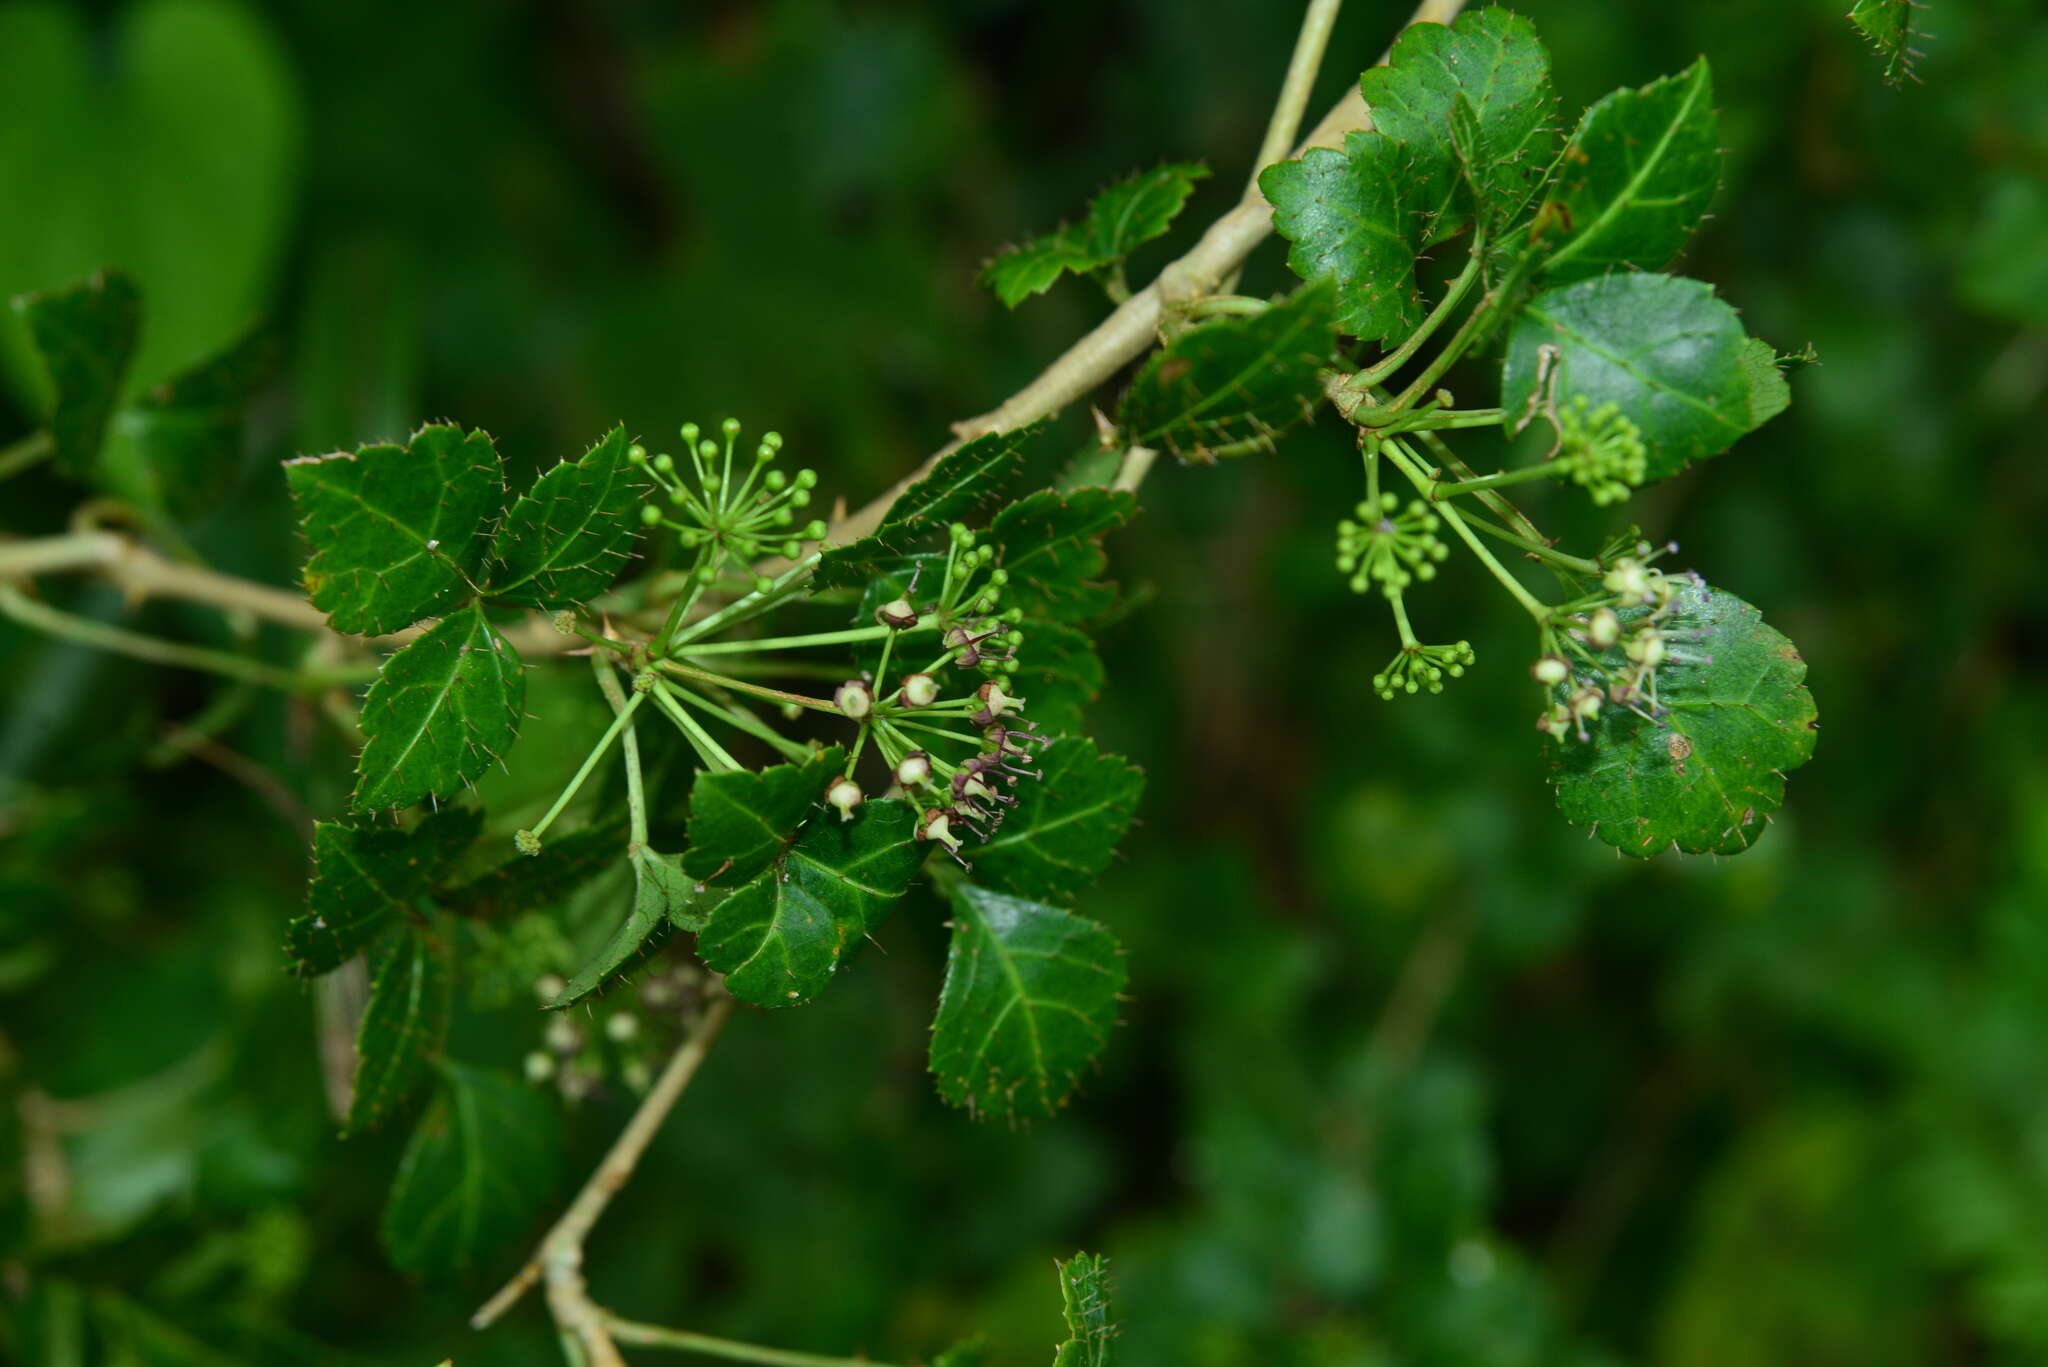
x=664 y=901
x=972 y=477
x=1888 y=24
x=742 y=820
x=1349 y=219
x=1637 y=177
x=779 y=939
x=477 y=1170
x=179 y=446
x=529 y=882
x=1121 y=219
x=361 y=875
x=1059 y=671
x=440 y=711
x=1235 y=381
x=1065 y=826
x=1085 y=1305
x=1029 y=999
x=1051 y=548
x=397 y=533
x=567 y=538
x=85 y=335
x=1661 y=348
x=404 y=1026
x=1769 y=395
x=1708 y=772
x=1492 y=63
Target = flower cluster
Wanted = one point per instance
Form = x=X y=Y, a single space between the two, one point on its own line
x=1600 y=660
x=956 y=755
x=1601 y=448
x=1416 y=667
x=1390 y=548
x=725 y=516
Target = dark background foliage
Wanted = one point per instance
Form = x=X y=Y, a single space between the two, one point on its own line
x=1412 y=1072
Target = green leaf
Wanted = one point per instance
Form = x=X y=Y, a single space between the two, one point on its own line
x=476 y=1172
x=1348 y=217
x=1052 y=550
x=566 y=540
x=1065 y=825
x=1491 y=65
x=1663 y=349
x=177 y=449
x=1769 y=395
x=361 y=874
x=664 y=901
x=1236 y=383
x=779 y=939
x=441 y=710
x=1637 y=177
x=85 y=335
x=530 y=882
x=162 y=137
x=1888 y=24
x=742 y=820
x=1708 y=772
x=1085 y=1304
x=1028 y=1003
x=1121 y=219
x=1059 y=671
x=404 y=1026
x=961 y=482
x=397 y=533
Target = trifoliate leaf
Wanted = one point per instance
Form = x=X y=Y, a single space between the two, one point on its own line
x=1065 y=825
x=1733 y=718
x=1662 y=349
x=85 y=335
x=178 y=447
x=1051 y=547
x=664 y=901
x=1349 y=217
x=1888 y=24
x=741 y=820
x=361 y=876
x=476 y=1172
x=397 y=533
x=1028 y=1003
x=1085 y=1304
x=1637 y=177
x=1234 y=384
x=1121 y=219
x=972 y=477
x=567 y=538
x=441 y=710
x=1492 y=61
x=405 y=1024
x=779 y=939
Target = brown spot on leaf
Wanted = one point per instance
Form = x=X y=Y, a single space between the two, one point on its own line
x=1681 y=749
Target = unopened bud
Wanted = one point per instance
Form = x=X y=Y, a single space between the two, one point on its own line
x=1550 y=671
x=1604 y=629
x=622 y=1027
x=899 y=614
x=994 y=703
x=919 y=690
x=914 y=768
x=937 y=825
x=539 y=1066
x=526 y=842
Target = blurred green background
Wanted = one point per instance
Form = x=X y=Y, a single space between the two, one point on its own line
x=1412 y=1073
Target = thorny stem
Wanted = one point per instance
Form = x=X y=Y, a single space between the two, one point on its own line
x=559 y=1259
x=1542 y=550
x=655 y=1336
x=105 y=636
x=1454 y=294
x=1527 y=474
